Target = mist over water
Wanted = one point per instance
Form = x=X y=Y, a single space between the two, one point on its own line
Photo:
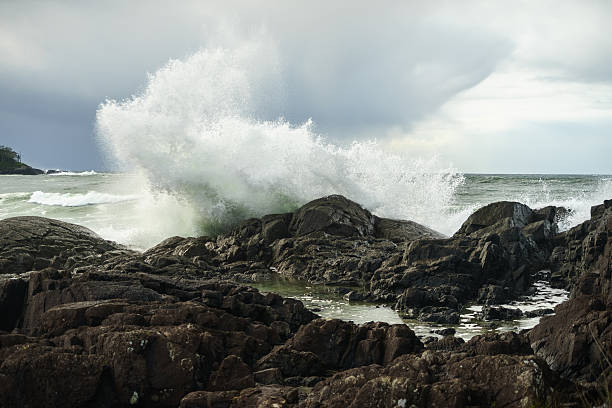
x=194 y=135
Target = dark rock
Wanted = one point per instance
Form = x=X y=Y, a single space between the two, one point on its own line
x=428 y=340
x=493 y=295
x=499 y=313
x=38 y=376
x=269 y=376
x=439 y=315
x=275 y=227
x=334 y=215
x=432 y=380
x=449 y=331
x=340 y=344
x=233 y=374
x=400 y=230
x=23 y=171
x=12 y=301
x=206 y=399
x=577 y=340
x=447 y=343
x=353 y=296
x=539 y=312
x=518 y=215
x=129 y=347
x=166 y=328
x=34 y=243
x=499 y=343
x=292 y=363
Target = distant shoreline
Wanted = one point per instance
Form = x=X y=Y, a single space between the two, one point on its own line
x=22 y=171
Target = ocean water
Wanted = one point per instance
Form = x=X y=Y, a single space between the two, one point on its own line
x=328 y=304
x=127 y=209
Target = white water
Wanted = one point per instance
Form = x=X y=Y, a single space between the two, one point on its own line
x=193 y=135
x=194 y=138
x=77 y=200
x=579 y=203
x=72 y=173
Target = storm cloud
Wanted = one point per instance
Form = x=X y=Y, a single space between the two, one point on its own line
x=439 y=78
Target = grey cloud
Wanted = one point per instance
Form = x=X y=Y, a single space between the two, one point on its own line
x=357 y=68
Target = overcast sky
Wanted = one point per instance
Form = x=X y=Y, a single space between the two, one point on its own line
x=486 y=86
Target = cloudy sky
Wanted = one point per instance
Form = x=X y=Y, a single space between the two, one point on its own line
x=485 y=86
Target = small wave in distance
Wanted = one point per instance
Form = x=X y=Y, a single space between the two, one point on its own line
x=77 y=200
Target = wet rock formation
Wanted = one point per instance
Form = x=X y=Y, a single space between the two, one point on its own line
x=577 y=340
x=334 y=241
x=88 y=323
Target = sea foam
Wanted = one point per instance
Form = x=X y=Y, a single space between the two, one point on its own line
x=195 y=134
x=75 y=173
x=76 y=200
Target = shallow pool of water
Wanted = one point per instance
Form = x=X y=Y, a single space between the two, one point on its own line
x=327 y=302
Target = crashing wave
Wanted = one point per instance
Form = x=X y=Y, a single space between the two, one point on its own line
x=194 y=134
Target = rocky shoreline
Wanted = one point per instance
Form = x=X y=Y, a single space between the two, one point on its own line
x=11 y=164
x=88 y=323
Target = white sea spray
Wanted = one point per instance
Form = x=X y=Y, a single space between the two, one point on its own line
x=194 y=135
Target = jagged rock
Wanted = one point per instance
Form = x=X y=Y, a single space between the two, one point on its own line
x=143 y=345
x=447 y=343
x=233 y=374
x=578 y=249
x=489 y=259
x=400 y=230
x=340 y=344
x=449 y=331
x=439 y=315
x=207 y=399
x=42 y=376
x=34 y=243
x=517 y=214
x=499 y=343
x=577 y=340
x=291 y=362
x=354 y=296
x=499 y=313
x=161 y=328
x=12 y=299
x=334 y=215
x=539 y=312
x=493 y=295
x=435 y=381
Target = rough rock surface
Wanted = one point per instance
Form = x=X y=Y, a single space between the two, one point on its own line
x=334 y=241
x=88 y=323
x=137 y=339
x=577 y=340
x=34 y=243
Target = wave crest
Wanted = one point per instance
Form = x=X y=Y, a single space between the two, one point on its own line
x=193 y=134
x=76 y=200
x=75 y=173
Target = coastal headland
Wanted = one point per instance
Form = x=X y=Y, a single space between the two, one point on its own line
x=10 y=163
